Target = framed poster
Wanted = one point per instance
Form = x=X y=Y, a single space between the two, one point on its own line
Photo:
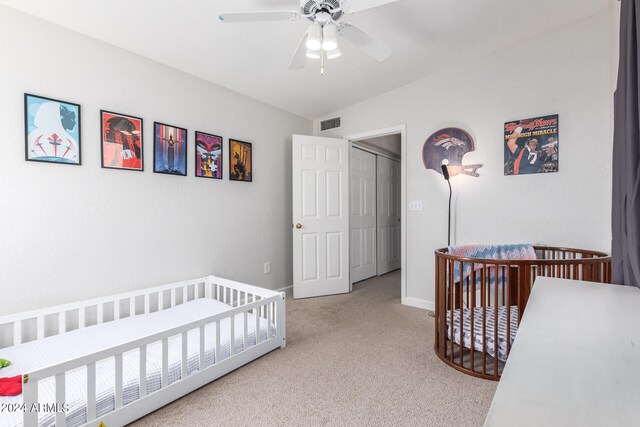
x=240 y=161
x=52 y=130
x=169 y=149
x=208 y=155
x=531 y=145
x=121 y=141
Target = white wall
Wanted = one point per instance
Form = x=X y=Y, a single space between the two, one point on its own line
x=69 y=233
x=566 y=71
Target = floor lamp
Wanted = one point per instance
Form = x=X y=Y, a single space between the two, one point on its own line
x=445 y=172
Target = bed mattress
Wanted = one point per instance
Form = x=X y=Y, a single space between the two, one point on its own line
x=52 y=350
x=479 y=343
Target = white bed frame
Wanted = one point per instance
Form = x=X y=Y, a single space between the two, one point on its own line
x=244 y=299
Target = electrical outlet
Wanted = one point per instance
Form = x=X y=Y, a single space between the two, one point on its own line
x=267 y=267
x=415 y=205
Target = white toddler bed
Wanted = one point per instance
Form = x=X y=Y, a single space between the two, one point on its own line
x=115 y=368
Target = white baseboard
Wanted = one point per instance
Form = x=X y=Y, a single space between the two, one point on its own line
x=419 y=303
x=285 y=289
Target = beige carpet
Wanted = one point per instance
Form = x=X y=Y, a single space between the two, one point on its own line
x=355 y=359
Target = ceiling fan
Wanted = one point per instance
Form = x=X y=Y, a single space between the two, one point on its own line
x=321 y=39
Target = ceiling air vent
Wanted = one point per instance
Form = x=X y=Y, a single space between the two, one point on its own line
x=329 y=124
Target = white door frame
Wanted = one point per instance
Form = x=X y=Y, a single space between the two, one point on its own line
x=402 y=130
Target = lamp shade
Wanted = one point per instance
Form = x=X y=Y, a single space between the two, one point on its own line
x=314 y=37
x=329 y=38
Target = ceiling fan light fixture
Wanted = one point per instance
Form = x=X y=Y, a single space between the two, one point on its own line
x=334 y=53
x=329 y=38
x=314 y=37
x=313 y=54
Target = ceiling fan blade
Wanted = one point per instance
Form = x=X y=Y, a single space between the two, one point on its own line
x=363 y=41
x=299 y=59
x=362 y=5
x=276 y=15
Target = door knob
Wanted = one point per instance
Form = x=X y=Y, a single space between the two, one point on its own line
x=298 y=226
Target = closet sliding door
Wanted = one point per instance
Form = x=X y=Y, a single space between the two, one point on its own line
x=388 y=215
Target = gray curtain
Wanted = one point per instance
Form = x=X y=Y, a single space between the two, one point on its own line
x=625 y=248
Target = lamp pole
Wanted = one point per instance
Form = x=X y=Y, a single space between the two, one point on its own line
x=445 y=172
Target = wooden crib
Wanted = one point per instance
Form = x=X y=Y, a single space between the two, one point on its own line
x=479 y=302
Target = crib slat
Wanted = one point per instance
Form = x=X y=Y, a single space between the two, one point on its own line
x=461 y=311
x=257 y=318
x=91 y=391
x=116 y=310
x=143 y=371
x=202 y=347
x=245 y=336
x=147 y=303
x=451 y=307
x=17 y=332
x=472 y=312
x=495 y=325
x=217 y=354
x=40 y=327
x=483 y=298
x=60 y=399
x=184 y=356
x=269 y=318
x=185 y=294
x=165 y=363
x=160 y=300
x=99 y=313
x=173 y=297
x=207 y=290
x=232 y=336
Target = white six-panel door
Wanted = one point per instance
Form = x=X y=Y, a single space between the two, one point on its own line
x=320 y=216
x=363 y=215
x=388 y=172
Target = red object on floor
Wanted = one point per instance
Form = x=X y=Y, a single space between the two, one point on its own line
x=11 y=386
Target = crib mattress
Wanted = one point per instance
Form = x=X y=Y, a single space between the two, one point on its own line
x=52 y=350
x=479 y=343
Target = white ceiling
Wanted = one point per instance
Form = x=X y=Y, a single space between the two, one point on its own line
x=252 y=59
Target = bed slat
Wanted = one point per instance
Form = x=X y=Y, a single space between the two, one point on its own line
x=245 y=334
x=255 y=314
x=118 y=384
x=132 y=306
x=184 y=355
x=143 y=371
x=81 y=317
x=60 y=398
x=30 y=397
x=232 y=336
x=217 y=341
x=17 y=332
x=40 y=327
x=201 y=364
x=91 y=391
x=165 y=363
x=99 y=314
